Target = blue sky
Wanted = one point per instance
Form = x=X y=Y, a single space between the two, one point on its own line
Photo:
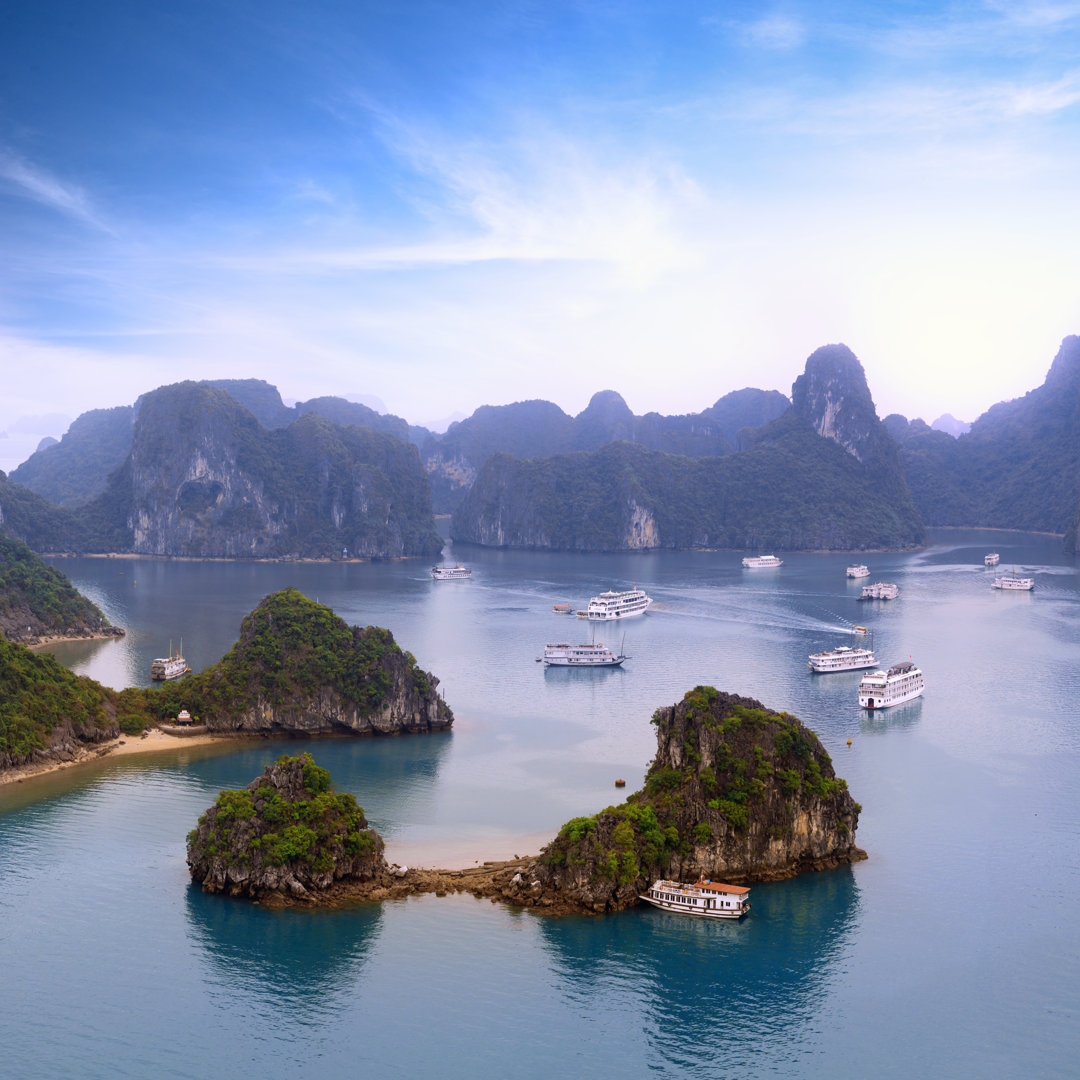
x=451 y=204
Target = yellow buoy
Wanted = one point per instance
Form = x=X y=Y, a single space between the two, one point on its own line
x=849 y=742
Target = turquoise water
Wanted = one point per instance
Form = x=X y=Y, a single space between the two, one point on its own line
x=953 y=951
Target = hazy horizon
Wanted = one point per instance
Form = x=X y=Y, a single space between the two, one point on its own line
x=445 y=206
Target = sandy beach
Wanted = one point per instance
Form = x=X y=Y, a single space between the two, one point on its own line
x=152 y=741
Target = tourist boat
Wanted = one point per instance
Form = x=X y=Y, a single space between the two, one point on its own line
x=880 y=590
x=710 y=899
x=992 y=559
x=859 y=654
x=169 y=667
x=563 y=609
x=562 y=654
x=858 y=571
x=446 y=573
x=757 y=562
x=1014 y=583
x=900 y=683
x=616 y=605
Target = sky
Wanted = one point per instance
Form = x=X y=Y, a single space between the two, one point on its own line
x=450 y=204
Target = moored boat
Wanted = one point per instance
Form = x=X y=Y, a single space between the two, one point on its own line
x=880 y=689
x=710 y=899
x=880 y=590
x=760 y=562
x=1013 y=583
x=852 y=657
x=563 y=654
x=447 y=573
x=992 y=559
x=563 y=609
x=169 y=667
x=858 y=570
x=616 y=605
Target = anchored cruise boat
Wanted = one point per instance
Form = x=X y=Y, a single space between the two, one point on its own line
x=859 y=654
x=880 y=689
x=446 y=573
x=756 y=562
x=616 y=605
x=562 y=654
x=858 y=570
x=992 y=559
x=880 y=590
x=169 y=667
x=711 y=899
x=1012 y=582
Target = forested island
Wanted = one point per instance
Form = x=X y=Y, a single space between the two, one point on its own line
x=736 y=791
x=296 y=669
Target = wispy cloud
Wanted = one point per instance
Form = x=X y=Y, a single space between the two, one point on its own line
x=33 y=182
x=780 y=32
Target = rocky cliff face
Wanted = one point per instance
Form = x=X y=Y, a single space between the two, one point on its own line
x=205 y=479
x=832 y=396
x=287 y=832
x=298 y=669
x=737 y=793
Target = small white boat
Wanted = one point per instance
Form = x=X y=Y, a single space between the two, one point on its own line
x=447 y=573
x=616 y=605
x=563 y=654
x=880 y=590
x=760 y=562
x=900 y=683
x=858 y=570
x=169 y=667
x=992 y=559
x=710 y=899
x=859 y=654
x=1012 y=583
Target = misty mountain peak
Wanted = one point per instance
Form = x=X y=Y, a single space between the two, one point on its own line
x=833 y=398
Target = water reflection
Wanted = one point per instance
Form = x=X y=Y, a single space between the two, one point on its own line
x=301 y=963
x=896 y=718
x=696 y=983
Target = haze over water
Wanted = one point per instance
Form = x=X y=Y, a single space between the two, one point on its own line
x=953 y=951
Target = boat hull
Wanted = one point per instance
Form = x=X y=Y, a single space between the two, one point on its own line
x=615 y=661
x=701 y=913
x=876 y=701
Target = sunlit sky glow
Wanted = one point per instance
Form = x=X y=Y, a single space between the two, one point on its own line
x=452 y=204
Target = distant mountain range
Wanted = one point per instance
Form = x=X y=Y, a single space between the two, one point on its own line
x=225 y=468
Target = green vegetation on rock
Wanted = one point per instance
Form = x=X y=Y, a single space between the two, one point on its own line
x=43 y=704
x=735 y=790
x=37 y=600
x=288 y=831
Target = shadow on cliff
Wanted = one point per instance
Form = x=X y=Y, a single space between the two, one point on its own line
x=697 y=980
x=277 y=961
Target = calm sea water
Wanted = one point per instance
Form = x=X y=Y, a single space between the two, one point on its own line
x=953 y=951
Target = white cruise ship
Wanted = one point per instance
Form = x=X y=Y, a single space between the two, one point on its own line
x=169 y=667
x=858 y=570
x=446 y=573
x=880 y=590
x=616 y=605
x=880 y=689
x=710 y=899
x=757 y=562
x=859 y=654
x=992 y=559
x=1014 y=583
x=562 y=654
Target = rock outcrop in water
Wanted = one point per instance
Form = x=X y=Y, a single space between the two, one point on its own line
x=299 y=669
x=736 y=792
x=286 y=833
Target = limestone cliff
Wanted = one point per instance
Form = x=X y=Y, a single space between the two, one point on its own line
x=736 y=792
x=204 y=478
x=287 y=832
x=298 y=669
